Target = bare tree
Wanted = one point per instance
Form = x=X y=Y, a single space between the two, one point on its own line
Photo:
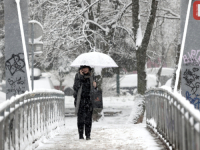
x=141 y=46
x=74 y=27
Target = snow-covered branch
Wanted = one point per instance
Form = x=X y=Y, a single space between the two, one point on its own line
x=169 y=11
x=82 y=12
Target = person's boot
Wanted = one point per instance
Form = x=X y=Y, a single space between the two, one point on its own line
x=81 y=137
x=80 y=132
x=88 y=138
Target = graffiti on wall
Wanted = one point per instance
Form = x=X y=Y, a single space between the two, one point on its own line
x=195 y=100
x=192 y=58
x=15 y=65
x=191 y=76
x=16 y=86
x=192 y=79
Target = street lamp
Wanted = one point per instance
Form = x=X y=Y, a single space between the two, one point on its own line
x=35 y=36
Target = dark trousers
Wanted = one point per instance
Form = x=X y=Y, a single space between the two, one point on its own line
x=84 y=120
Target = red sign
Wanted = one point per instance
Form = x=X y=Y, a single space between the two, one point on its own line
x=196 y=10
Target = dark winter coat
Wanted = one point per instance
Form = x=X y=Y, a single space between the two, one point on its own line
x=84 y=82
x=84 y=109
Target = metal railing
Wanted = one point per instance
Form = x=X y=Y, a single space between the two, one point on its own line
x=176 y=121
x=24 y=120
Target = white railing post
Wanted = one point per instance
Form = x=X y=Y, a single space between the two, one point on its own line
x=29 y=138
x=2 y=129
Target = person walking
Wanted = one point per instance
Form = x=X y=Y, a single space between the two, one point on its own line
x=83 y=84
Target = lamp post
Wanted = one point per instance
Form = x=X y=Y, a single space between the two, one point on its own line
x=32 y=53
x=36 y=44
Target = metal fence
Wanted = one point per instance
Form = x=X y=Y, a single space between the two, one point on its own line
x=24 y=120
x=173 y=120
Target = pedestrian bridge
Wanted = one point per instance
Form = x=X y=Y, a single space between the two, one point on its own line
x=27 y=119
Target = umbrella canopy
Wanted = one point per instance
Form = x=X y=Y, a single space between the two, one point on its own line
x=94 y=59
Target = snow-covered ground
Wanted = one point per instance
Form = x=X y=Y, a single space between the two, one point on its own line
x=110 y=133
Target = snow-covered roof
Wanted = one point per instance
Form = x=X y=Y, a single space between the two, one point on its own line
x=43 y=83
x=68 y=82
x=131 y=81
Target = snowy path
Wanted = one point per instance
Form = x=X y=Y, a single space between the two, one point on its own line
x=111 y=133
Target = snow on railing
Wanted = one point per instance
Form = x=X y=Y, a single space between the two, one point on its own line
x=25 y=119
x=173 y=118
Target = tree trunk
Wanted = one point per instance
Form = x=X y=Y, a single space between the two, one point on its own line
x=174 y=74
x=141 y=52
x=135 y=18
x=164 y=56
x=61 y=85
x=98 y=8
x=162 y=60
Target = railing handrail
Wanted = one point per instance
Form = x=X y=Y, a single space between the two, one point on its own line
x=173 y=118
x=183 y=101
x=4 y=105
x=24 y=119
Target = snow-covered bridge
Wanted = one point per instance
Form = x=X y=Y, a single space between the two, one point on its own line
x=111 y=132
x=36 y=121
